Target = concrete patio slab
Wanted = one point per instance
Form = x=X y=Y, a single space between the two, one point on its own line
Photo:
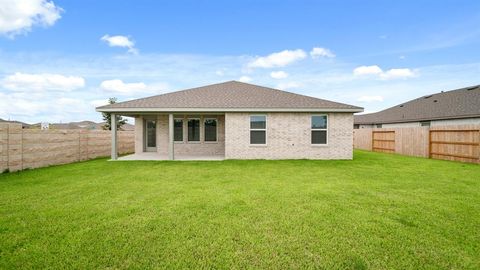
x=156 y=156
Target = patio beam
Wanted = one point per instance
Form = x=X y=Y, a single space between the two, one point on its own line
x=113 y=127
x=171 y=155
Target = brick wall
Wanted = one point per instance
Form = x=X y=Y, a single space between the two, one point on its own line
x=288 y=137
x=33 y=148
x=200 y=148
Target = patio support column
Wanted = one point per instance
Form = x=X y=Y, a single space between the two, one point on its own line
x=113 y=126
x=171 y=155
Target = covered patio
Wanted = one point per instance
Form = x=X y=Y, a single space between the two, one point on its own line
x=174 y=136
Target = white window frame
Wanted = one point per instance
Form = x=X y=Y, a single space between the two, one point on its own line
x=216 y=129
x=257 y=129
x=183 y=129
x=319 y=129
x=199 y=126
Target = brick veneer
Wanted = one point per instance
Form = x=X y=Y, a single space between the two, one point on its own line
x=288 y=137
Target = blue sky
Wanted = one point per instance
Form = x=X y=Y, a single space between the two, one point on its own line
x=60 y=59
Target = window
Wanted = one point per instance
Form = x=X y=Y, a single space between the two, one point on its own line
x=378 y=125
x=258 y=129
x=319 y=129
x=356 y=126
x=425 y=124
x=193 y=130
x=178 y=130
x=210 y=130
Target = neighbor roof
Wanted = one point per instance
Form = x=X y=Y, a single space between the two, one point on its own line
x=229 y=96
x=460 y=103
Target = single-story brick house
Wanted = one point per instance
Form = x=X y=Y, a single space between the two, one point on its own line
x=235 y=120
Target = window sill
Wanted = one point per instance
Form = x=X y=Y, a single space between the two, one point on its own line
x=178 y=142
x=319 y=145
x=194 y=142
x=258 y=145
x=211 y=142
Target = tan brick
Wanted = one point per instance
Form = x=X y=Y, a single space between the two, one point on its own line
x=288 y=137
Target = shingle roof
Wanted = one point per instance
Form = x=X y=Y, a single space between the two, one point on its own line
x=460 y=103
x=229 y=95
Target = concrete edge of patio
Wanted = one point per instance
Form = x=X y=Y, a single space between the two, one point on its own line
x=156 y=156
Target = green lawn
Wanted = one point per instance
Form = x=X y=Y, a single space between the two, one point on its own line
x=378 y=211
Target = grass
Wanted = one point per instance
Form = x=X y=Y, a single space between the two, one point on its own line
x=378 y=211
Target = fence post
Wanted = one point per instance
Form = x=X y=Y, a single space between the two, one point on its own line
x=429 y=143
x=371 y=135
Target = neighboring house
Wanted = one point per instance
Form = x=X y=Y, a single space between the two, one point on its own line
x=235 y=120
x=456 y=107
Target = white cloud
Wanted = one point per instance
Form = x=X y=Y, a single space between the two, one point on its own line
x=33 y=108
x=318 y=52
x=118 y=86
x=99 y=102
x=278 y=59
x=120 y=41
x=288 y=85
x=68 y=101
x=398 y=73
x=40 y=82
x=219 y=72
x=391 y=74
x=279 y=74
x=367 y=70
x=370 y=98
x=12 y=105
x=73 y=105
x=245 y=79
x=19 y=16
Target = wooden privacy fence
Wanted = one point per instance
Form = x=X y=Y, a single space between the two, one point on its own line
x=32 y=148
x=383 y=141
x=459 y=143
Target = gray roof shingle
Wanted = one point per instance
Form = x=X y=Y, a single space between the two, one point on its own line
x=229 y=95
x=460 y=103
